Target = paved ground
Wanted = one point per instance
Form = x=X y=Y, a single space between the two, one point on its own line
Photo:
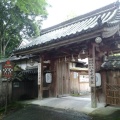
x=35 y=112
x=65 y=108
x=80 y=104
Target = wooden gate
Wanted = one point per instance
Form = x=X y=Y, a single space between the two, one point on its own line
x=62 y=74
x=113 y=88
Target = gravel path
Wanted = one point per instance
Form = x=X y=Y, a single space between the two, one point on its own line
x=35 y=112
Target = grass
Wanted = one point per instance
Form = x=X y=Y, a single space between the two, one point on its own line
x=14 y=106
x=114 y=116
x=75 y=95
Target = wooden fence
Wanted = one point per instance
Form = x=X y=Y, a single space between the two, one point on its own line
x=113 y=88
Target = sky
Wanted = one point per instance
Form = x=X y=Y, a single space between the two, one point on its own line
x=61 y=10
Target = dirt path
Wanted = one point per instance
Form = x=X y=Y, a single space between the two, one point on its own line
x=35 y=112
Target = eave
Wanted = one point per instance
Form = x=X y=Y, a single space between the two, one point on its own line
x=65 y=42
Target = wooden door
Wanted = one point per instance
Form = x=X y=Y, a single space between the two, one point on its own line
x=62 y=70
x=74 y=82
x=113 y=88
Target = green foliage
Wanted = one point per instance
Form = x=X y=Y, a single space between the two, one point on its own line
x=17 y=21
x=12 y=107
x=75 y=95
x=32 y=6
x=98 y=116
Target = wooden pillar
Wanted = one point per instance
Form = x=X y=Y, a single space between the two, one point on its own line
x=93 y=89
x=92 y=79
x=40 y=78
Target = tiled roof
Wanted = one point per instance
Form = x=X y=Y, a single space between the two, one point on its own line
x=113 y=62
x=108 y=15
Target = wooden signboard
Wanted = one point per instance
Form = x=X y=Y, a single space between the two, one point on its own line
x=39 y=73
x=91 y=66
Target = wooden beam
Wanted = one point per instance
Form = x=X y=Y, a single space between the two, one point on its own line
x=61 y=43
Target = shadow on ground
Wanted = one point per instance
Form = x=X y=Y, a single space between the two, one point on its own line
x=35 y=112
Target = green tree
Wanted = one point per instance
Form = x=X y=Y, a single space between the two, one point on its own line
x=32 y=6
x=17 y=21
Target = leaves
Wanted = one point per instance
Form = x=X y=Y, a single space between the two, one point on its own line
x=32 y=6
x=17 y=21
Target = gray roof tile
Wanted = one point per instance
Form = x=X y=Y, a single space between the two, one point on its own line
x=109 y=14
x=113 y=62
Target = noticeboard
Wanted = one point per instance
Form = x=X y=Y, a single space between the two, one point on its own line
x=84 y=78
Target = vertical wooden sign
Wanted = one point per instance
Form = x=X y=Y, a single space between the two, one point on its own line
x=92 y=79
x=39 y=73
x=91 y=66
x=40 y=78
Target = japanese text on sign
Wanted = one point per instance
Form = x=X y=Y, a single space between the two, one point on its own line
x=91 y=66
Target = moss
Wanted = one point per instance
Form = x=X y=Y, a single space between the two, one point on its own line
x=114 y=116
x=75 y=95
x=14 y=106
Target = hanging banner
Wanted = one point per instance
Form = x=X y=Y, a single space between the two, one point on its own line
x=91 y=66
x=7 y=69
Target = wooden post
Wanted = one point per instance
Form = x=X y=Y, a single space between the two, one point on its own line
x=6 y=97
x=40 y=78
x=92 y=78
x=93 y=97
x=93 y=89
